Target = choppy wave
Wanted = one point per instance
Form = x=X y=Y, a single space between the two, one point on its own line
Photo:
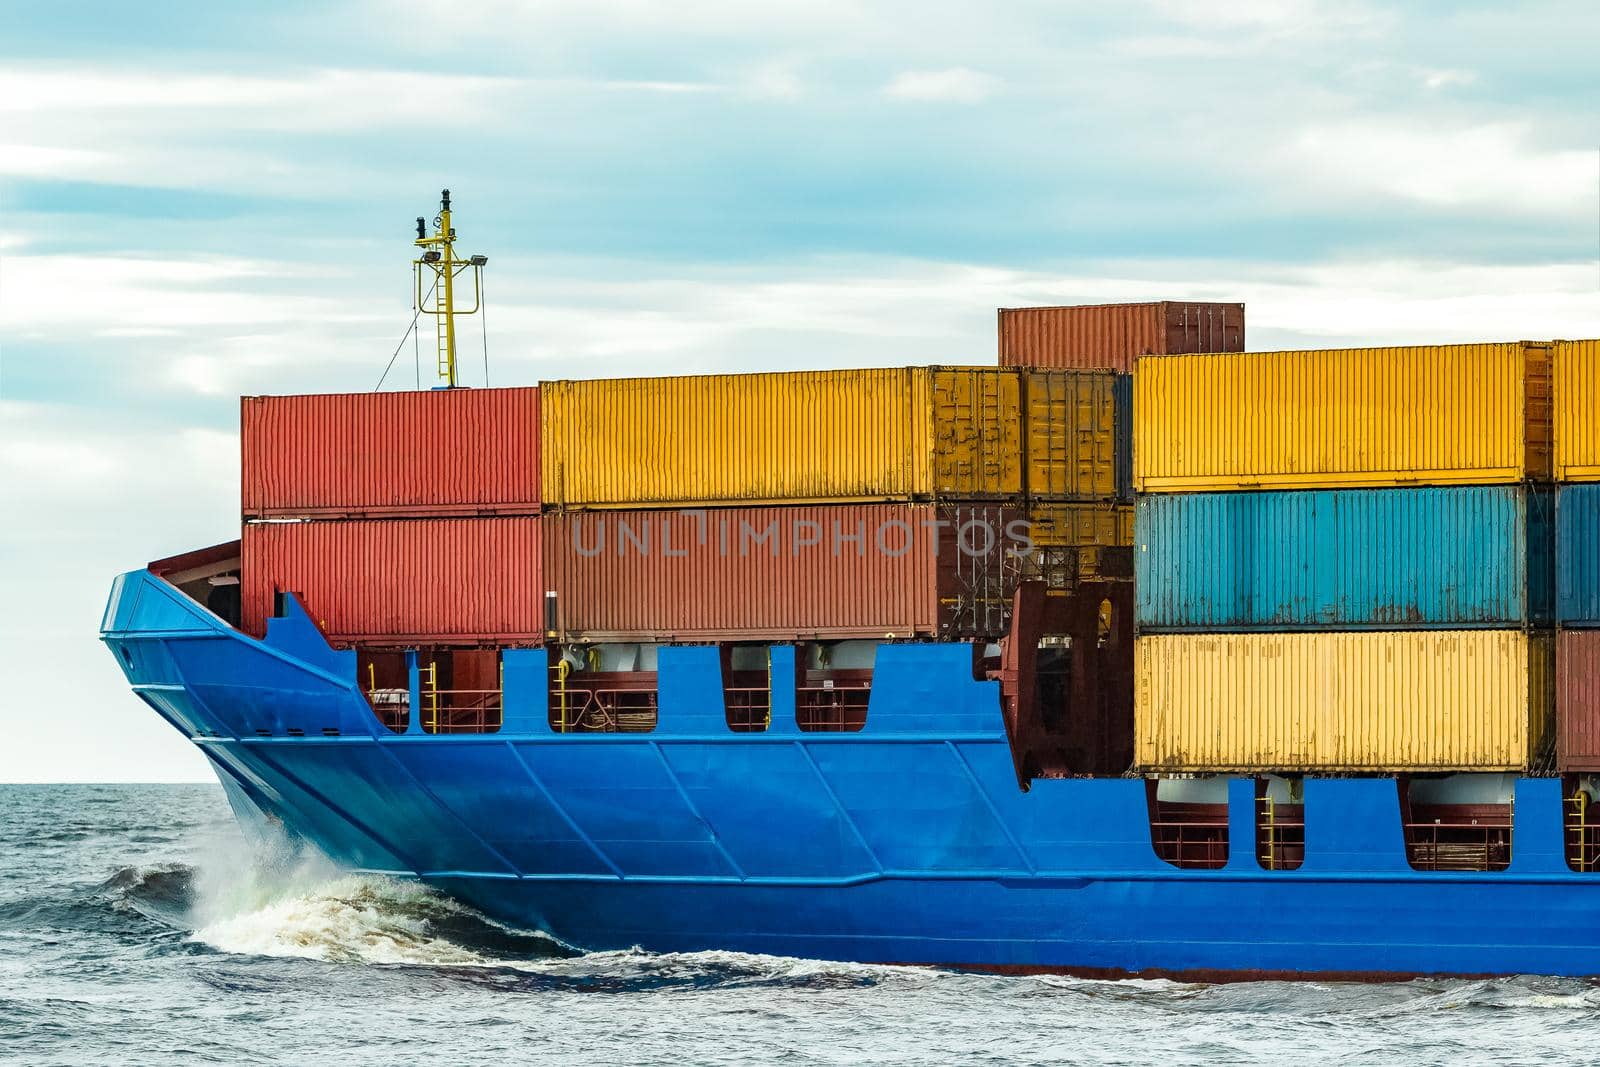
x=291 y=903
x=115 y=948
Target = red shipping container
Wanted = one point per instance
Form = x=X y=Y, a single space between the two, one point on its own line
x=1112 y=336
x=1578 y=700
x=783 y=573
x=400 y=582
x=450 y=451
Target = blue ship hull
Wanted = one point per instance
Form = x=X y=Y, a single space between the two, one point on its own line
x=909 y=842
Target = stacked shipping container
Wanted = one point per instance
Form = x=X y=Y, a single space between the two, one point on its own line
x=397 y=518
x=1577 y=468
x=813 y=504
x=1106 y=337
x=1112 y=336
x=1355 y=573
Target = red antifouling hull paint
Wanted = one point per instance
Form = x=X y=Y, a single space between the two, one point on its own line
x=1578 y=700
x=399 y=582
x=456 y=451
x=1112 y=336
x=780 y=573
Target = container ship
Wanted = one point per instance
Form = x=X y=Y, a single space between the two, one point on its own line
x=1129 y=653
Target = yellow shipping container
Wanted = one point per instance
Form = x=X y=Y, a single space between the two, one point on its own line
x=1431 y=415
x=1577 y=407
x=1072 y=436
x=916 y=433
x=1389 y=701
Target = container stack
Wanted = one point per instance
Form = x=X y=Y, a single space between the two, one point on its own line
x=815 y=505
x=1577 y=469
x=1344 y=560
x=1109 y=337
x=398 y=519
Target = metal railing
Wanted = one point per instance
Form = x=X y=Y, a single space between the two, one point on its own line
x=1191 y=835
x=1473 y=842
x=581 y=709
x=832 y=707
x=462 y=711
x=749 y=708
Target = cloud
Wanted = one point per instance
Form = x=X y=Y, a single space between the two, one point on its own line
x=1444 y=79
x=776 y=80
x=1493 y=167
x=958 y=84
x=709 y=187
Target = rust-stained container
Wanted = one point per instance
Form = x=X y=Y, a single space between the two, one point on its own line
x=1080 y=525
x=398 y=582
x=466 y=451
x=1071 y=434
x=1577 y=411
x=1376 y=702
x=1111 y=336
x=783 y=573
x=1428 y=415
x=976 y=433
x=908 y=434
x=1578 y=701
x=1070 y=542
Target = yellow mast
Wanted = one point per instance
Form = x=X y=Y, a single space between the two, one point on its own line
x=439 y=257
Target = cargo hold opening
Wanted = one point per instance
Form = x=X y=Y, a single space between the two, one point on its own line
x=385 y=681
x=1280 y=823
x=835 y=686
x=1458 y=822
x=459 y=690
x=208 y=576
x=747 y=687
x=606 y=689
x=1189 y=821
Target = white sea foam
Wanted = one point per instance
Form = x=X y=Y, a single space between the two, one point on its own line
x=348 y=919
x=276 y=897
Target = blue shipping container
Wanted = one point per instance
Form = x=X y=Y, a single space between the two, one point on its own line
x=1469 y=556
x=1578 y=555
x=1122 y=409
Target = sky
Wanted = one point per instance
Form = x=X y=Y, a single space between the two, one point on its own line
x=199 y=201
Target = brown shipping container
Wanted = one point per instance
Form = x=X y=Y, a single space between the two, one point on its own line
x=783 y=573
x=397 y=582
x=457 y=451
x=1578 y=700
x=1111 y=336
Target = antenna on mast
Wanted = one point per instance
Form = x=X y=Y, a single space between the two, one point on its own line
x=439 y=257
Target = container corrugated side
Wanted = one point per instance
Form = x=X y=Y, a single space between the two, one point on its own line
x=1071 y=435
x=400 y=581
x=738 y=438
x=1448 y=414
x=1377 y=702
x=470 y=451
x=1578 y=701
x=1578 y=555
x=1339 y=559
x=1110 y=336
x=1577 y=411
x=781 y=573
